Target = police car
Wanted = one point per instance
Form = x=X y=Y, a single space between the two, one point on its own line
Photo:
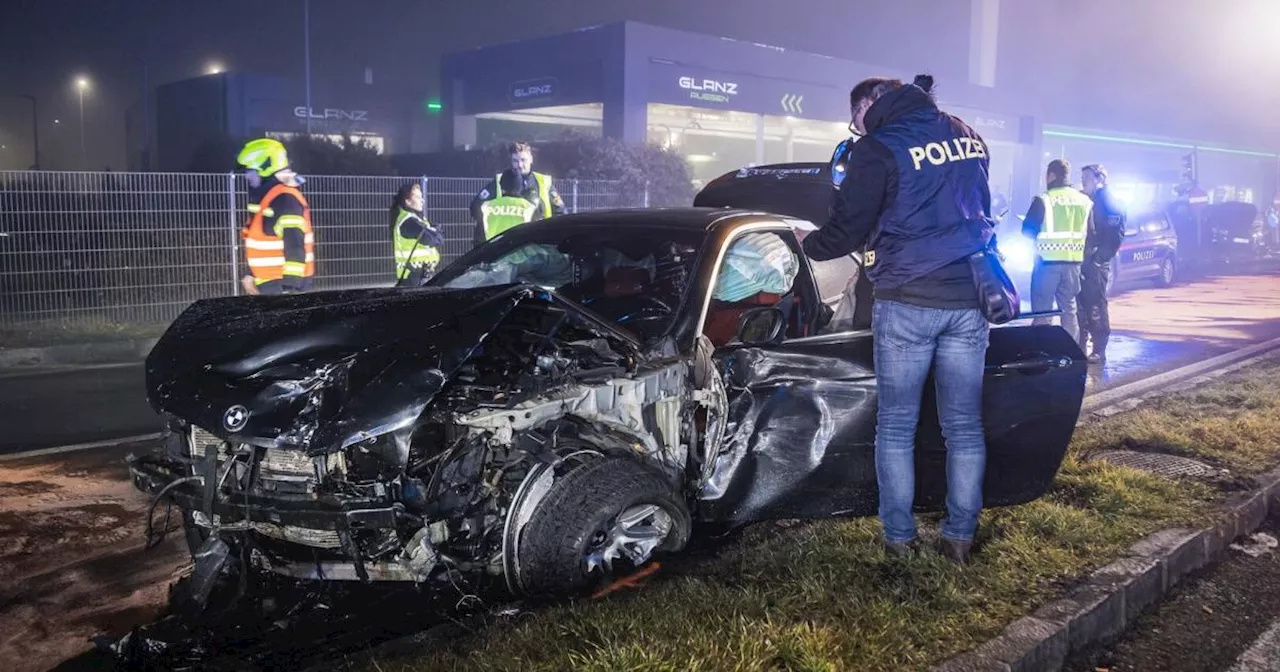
x=1149 y=251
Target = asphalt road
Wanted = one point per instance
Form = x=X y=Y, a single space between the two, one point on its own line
x=47 y=408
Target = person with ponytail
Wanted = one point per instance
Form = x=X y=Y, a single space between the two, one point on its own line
x=916 y=198
x=416 y=243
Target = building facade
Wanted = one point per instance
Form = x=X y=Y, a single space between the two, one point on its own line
x=191 y=116
x=722 y=103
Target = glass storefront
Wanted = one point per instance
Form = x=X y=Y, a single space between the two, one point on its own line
x=1145 y=172
x=716 y=142
x=542 y=124
x=373 y=141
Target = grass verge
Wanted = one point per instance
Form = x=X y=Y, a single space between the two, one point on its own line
x=824 y=596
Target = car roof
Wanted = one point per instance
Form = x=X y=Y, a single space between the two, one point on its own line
x=704 y=219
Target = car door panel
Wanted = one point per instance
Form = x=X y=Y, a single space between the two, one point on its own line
x=800 y=439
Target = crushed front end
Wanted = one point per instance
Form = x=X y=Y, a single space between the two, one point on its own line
x=401 y=461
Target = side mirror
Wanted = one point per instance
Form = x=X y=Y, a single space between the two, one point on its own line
x=763 y=325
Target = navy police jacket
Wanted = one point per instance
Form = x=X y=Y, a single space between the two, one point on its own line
x=917 y=198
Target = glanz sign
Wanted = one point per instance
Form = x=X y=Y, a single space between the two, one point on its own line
x=330 y=114
x=711 y=90
x=531 y=90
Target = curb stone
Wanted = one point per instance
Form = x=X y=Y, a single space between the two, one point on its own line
x=1115 y=595
x=111 y=352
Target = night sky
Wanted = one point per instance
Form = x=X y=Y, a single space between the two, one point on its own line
x=1181 y=69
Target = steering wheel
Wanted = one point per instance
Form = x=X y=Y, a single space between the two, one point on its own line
x=650 y=304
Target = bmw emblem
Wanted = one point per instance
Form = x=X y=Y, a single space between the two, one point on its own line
x=235 y=418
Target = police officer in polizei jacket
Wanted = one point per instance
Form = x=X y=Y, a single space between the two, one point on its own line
x=515 y=196
x=916 y=196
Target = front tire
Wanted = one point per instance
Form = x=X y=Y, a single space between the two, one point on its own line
x=1168 y=272
x=601 y=520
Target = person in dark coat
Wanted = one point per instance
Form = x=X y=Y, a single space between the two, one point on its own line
x=917 y=198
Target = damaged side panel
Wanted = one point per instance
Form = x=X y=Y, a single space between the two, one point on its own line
x=800 y=428
x=800 y=436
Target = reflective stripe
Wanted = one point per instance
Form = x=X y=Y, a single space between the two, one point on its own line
x=254 y=207
x=294 y=268
x=266 y=261
x=255 y=244
x=291 y=221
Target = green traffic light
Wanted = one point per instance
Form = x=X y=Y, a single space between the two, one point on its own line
x=434 y=106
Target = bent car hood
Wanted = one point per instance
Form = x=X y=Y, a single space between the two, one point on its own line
x=244 y=368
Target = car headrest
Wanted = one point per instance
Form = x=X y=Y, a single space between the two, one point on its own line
x=623 y=281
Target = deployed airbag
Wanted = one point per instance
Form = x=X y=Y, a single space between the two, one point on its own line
x=755 y=263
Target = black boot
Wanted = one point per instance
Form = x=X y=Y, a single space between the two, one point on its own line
x=956 y=551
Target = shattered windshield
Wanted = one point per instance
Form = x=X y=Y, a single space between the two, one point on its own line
x=632 y=276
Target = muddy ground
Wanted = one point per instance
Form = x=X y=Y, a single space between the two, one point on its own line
x=72 y=562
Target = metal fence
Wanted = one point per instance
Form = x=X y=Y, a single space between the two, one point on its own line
x=136 y=248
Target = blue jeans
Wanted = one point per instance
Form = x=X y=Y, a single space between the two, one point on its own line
x=909 y=340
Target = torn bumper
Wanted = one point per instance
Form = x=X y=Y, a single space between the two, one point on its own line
x=340 y=518
x=315 y=513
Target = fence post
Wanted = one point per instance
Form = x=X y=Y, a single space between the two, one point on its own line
x=231 y=218
x=646 y=193
x=395 y=270
x=575 y=196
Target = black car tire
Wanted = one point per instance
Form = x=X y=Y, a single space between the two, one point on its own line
x=580 y=507
x=1168 y=272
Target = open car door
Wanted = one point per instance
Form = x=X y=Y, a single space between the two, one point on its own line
x=800 y=436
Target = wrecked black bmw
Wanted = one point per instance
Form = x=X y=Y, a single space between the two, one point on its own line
x=563 y=402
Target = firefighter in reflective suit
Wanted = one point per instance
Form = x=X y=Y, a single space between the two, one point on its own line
x=516 y=195
x=279 y=246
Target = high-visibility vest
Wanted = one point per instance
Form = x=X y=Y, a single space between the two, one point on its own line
x=505 y=213
x=411 y=253
x=544 y=190
x=264 y=253
x=1066 y=221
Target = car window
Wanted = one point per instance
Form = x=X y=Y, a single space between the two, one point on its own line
x=633 y=276
x=759 y=269
x=1147 y=222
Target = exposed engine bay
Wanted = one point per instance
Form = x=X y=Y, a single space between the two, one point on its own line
x=444 y=482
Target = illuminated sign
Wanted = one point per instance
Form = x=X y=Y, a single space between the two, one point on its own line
x=303 y=112
x=711 y=90
x=531 y=90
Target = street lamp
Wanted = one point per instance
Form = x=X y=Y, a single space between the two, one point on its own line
x=214 y=68
x=81 y=85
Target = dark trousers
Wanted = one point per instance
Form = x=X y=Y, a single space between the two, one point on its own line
x=1094 y=316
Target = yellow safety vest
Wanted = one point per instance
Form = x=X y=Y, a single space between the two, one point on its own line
x=544 y=190
x=410 y=253
x=1066 y=220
